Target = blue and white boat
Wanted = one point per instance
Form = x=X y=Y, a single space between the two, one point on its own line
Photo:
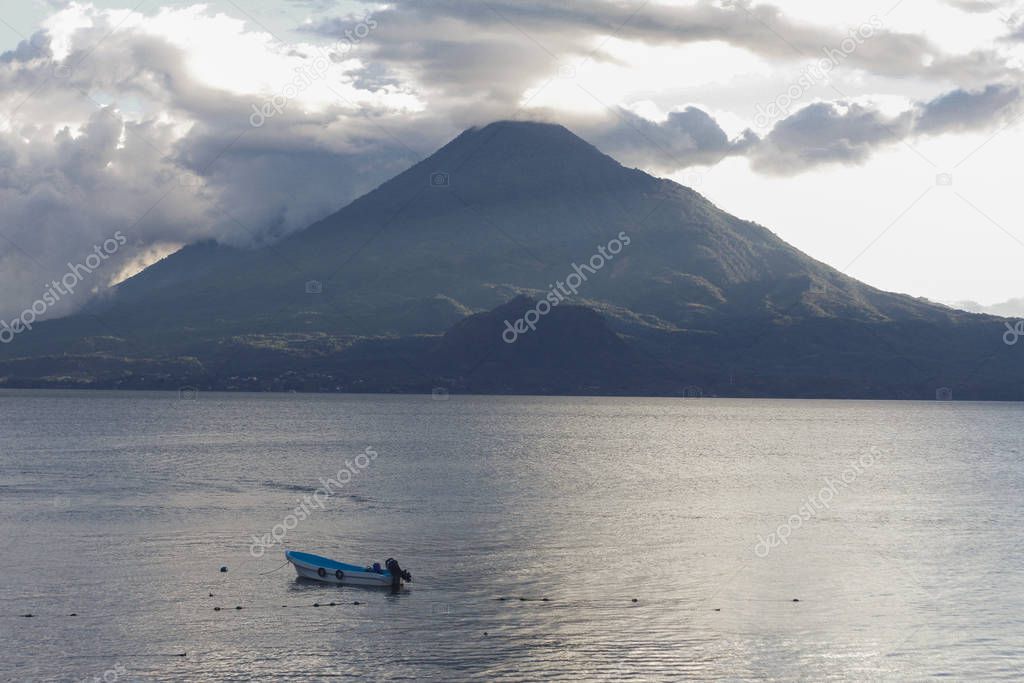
x=319 y=568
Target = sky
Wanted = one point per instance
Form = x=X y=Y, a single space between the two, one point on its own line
x=882 y=138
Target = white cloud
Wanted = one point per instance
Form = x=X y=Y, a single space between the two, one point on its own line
x=113 y=120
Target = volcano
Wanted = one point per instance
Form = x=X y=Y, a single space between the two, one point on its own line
x=400 y=289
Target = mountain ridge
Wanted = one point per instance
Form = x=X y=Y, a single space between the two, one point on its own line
x=502 y=210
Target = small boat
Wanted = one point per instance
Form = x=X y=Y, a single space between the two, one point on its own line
x=318 y=568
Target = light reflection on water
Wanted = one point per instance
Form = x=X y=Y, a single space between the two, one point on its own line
x=122 y=507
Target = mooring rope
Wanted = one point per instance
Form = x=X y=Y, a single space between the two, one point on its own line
x=272 y=570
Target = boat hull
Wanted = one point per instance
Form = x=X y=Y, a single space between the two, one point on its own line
x=326 y=570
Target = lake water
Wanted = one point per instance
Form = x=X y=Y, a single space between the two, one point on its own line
x=646 y=523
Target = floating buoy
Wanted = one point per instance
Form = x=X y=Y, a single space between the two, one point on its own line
x=718 y=609
x=485 y=633
x=216 y=609
x=224 y=568
x=522 y=599
x=544 y=599
x=796 y=599
x=211 y=595
x=238 y=607
x=73 y=615
x=635 y=600
x=355 y=602
x=316 y=604
x=27 y=615
x=332 y=604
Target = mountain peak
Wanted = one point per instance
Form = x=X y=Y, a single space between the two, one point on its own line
x=529 y=133
x=525 y=140
x=517 y=159
x=505 y=162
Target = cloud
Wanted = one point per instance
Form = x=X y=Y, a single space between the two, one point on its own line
x=826 y=132
x=121 y=133
x=975 y=6
x=963 y=110
x=688 y=137
x=840 y=132
x=422 y=37
x=315 y=5
x=820 y=133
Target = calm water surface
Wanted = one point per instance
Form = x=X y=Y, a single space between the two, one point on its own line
x=646 y=523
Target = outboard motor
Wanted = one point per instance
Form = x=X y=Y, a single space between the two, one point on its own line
x=397 y=573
